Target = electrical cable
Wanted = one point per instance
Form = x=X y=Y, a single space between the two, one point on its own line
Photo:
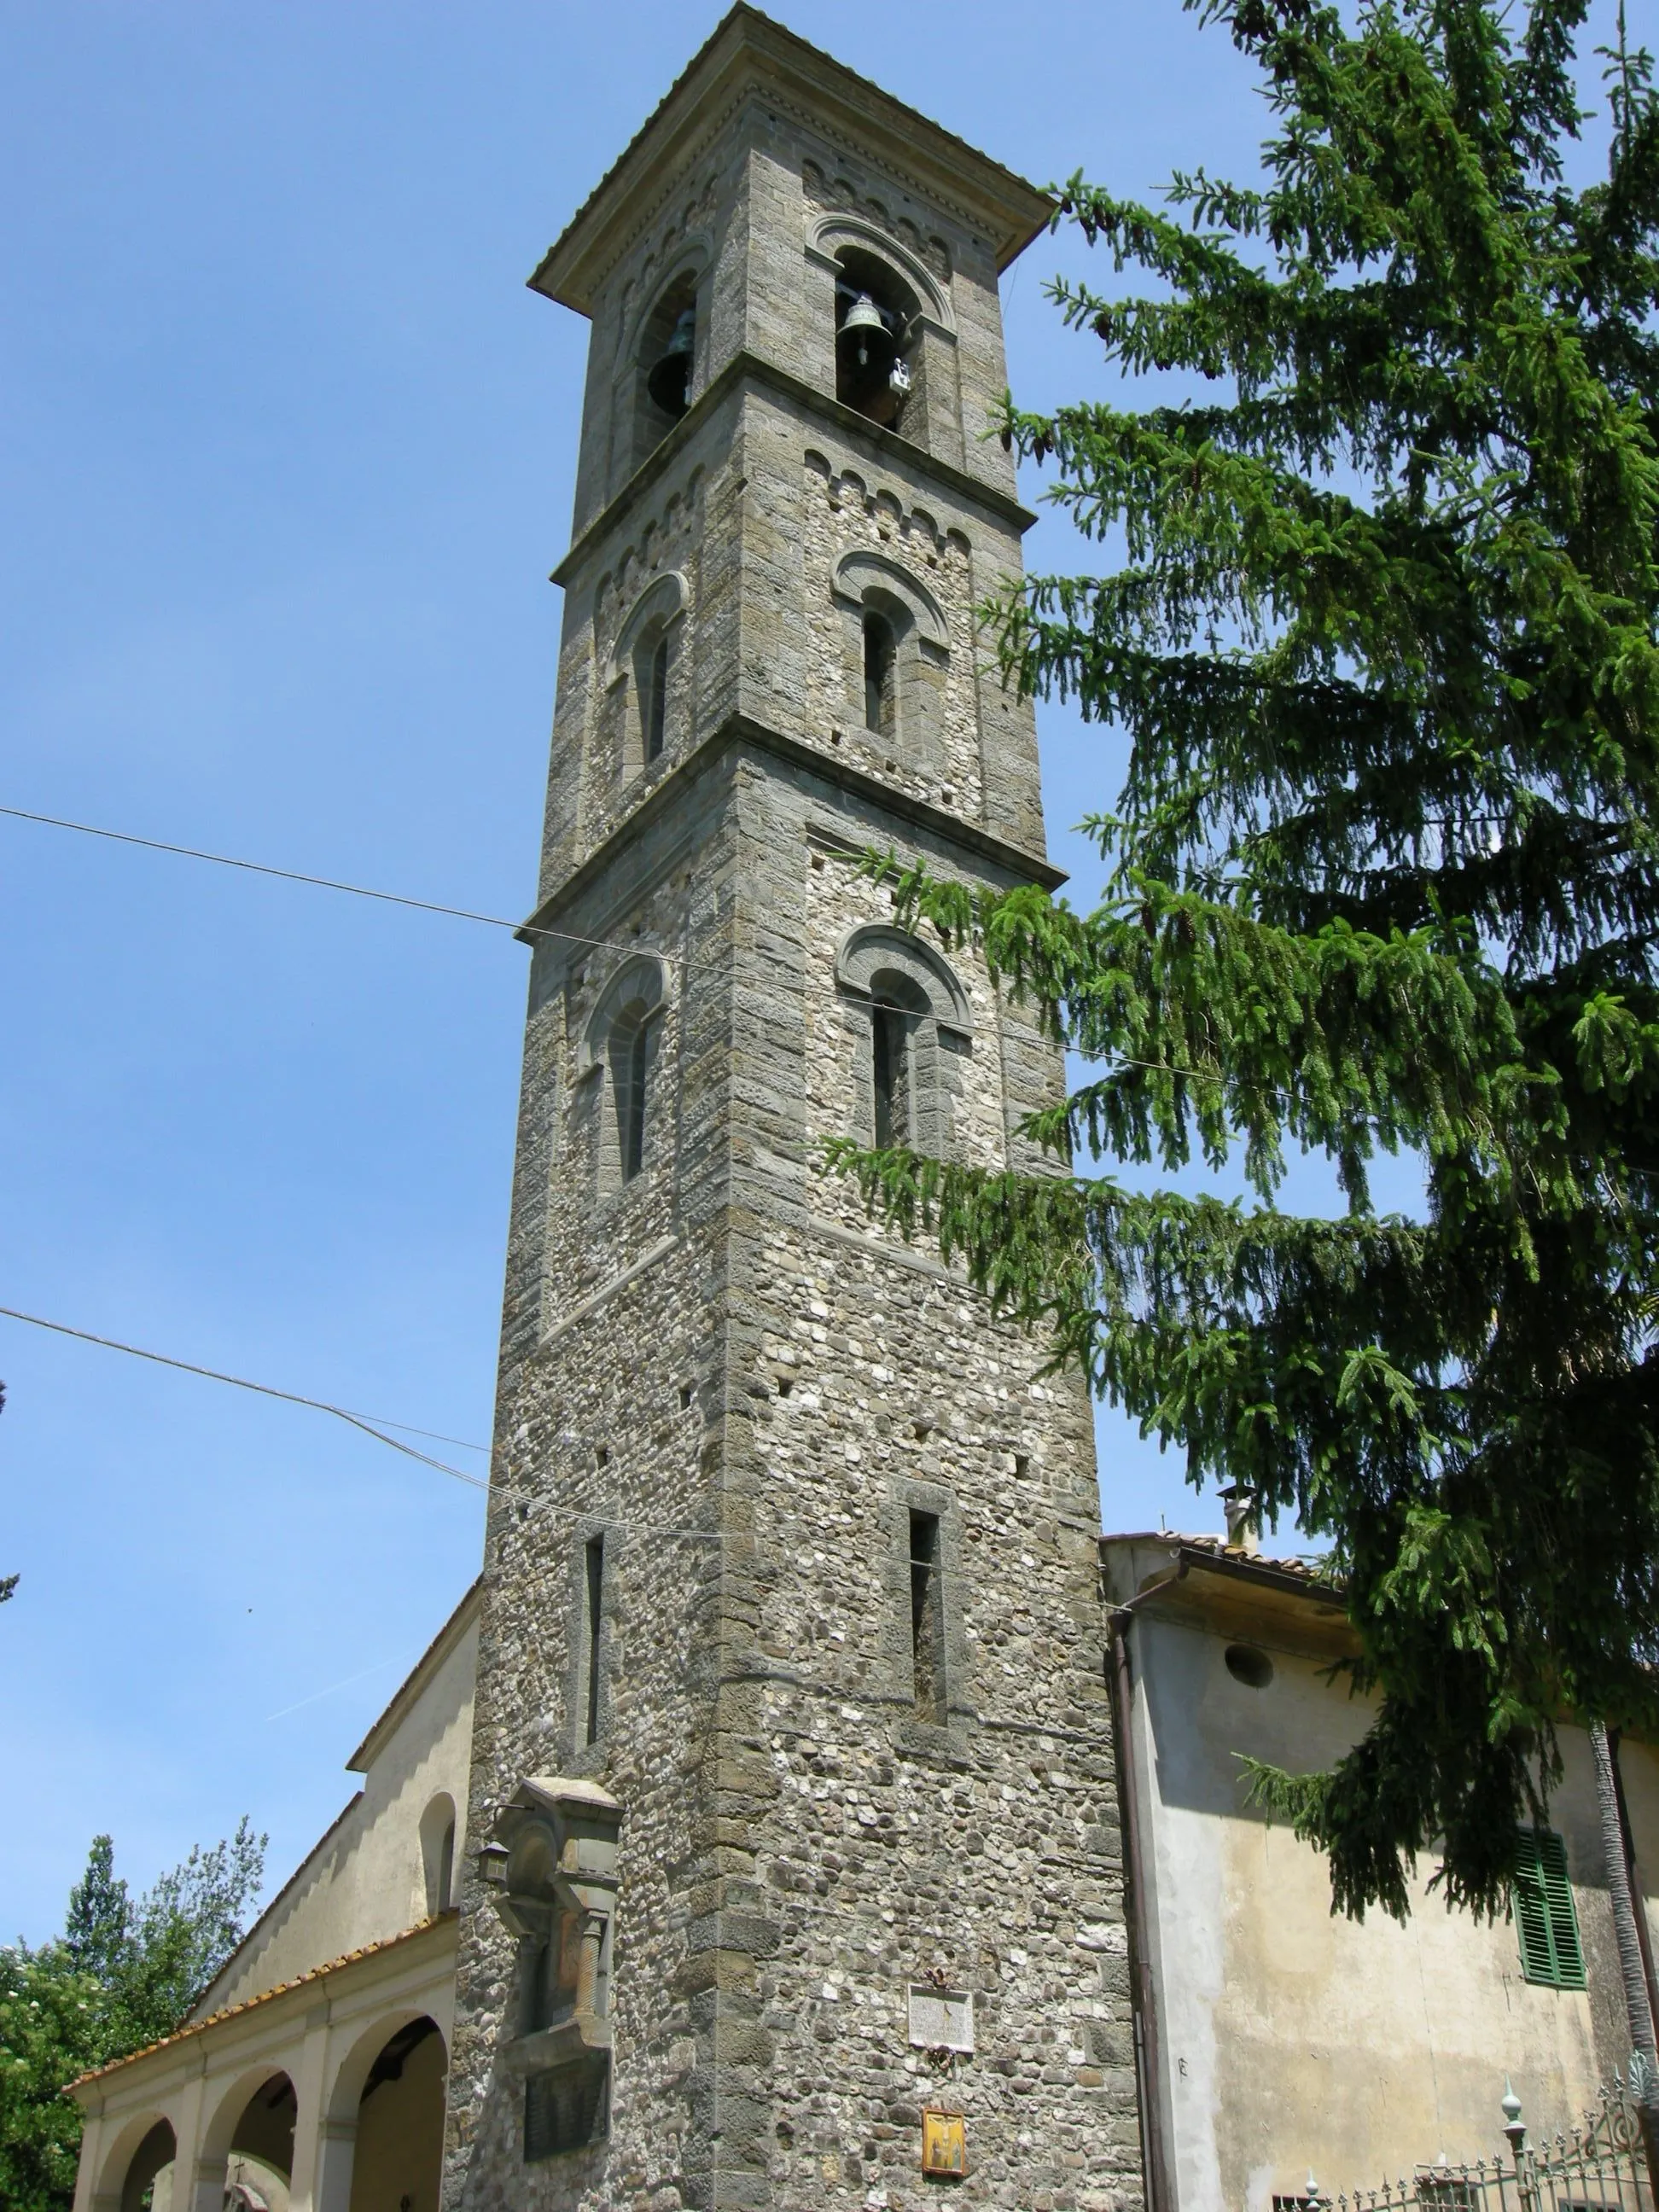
x=320 y=882
x=592 y=1507
x=524 y=928
x=494 y=921
x=362 y=1421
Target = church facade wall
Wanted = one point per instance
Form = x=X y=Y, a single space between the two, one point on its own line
x=367 y=1880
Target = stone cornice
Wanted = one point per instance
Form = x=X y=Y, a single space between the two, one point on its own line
x=739 y=730
x=752 y=368
x=749 y=53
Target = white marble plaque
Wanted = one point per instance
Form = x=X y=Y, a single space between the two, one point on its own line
x=941 y=2019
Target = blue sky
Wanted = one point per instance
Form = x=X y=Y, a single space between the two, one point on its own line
x=286 y=459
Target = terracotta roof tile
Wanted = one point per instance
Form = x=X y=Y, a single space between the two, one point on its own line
x=248 y=2004
x=1305 y=1569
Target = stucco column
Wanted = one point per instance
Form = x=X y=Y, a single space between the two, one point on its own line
x=198 y=2184
x=86 y=2173
x=337 y=2150
x=587 y=1960
x=205 y=2192
x=310 y=2082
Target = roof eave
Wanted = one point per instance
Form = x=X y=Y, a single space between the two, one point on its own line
x=82 y=2085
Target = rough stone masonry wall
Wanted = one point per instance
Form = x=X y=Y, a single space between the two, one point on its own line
x=863 y=1848
x=610 y=1418
x=993 y=1857
x=796 y=1848
x=800 y=1842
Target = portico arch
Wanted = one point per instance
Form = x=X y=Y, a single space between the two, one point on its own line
x=144 y=2148
x=384 y=2124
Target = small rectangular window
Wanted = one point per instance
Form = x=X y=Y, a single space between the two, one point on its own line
x=593 y=1594
x=1545 y=1919
x=926 y=1620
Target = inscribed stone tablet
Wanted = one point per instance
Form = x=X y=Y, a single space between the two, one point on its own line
x=941 y=2019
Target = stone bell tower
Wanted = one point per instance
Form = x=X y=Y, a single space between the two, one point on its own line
x=800 y=1884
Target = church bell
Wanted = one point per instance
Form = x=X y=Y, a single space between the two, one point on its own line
x=863 y=342
x=670 y=381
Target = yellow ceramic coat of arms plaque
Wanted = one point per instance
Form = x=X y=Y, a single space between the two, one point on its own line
x=943 y=2141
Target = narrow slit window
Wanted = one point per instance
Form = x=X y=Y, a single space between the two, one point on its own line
x=654 y=719
x=926 y=1618
x=628 y=1073
x=878 y=657
x=901 y=1088
x=887 y=1042
x=438 y=1853
x=593 y=1590
x=1545 y=1919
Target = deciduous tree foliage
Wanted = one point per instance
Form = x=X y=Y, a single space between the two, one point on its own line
x=123 y=1973
x=1383 y=875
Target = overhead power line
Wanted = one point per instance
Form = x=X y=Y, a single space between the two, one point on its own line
x=319 y=883
x=372 y=1425
x=528 y=929
x=581 y=1503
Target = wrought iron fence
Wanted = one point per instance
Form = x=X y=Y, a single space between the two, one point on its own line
x=1597 y=2166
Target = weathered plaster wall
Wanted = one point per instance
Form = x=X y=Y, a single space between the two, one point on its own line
x=1293 y=2040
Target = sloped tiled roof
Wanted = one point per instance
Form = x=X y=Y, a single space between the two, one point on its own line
x=249 y=2004
x=1305 y=1569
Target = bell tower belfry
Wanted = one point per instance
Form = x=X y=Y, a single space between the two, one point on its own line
x=792 y=1765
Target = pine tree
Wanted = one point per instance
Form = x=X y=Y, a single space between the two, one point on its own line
x=1383 y=876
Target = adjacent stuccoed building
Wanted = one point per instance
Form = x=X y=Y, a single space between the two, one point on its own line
x=792 y=1765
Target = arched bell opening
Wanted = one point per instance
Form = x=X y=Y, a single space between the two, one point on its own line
x=621 y=1049
x=398 y=2162
x=628 y=1057
x=665 y=364
x=146 y=2184
x=876 y=330
x=916 y=1034
x=880 y=641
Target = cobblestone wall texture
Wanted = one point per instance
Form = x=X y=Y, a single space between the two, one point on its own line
x=746 y=1386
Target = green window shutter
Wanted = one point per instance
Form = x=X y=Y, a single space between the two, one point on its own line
x=1545 y=1919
